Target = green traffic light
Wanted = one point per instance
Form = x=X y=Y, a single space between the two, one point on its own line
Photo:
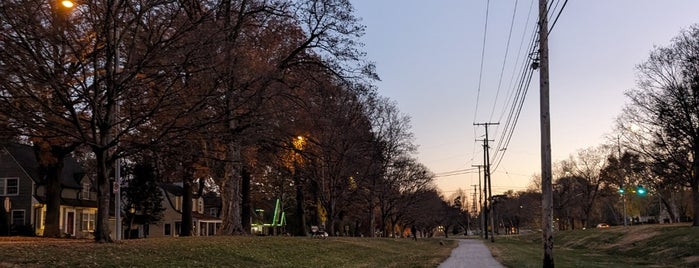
x=621 y=190
x=641 y=191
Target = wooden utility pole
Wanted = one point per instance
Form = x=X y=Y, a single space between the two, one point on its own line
x=480 y=203
x=487 y=182
x=546 y=188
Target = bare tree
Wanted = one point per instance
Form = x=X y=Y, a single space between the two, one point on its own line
x=662 y=121
x=93 y=75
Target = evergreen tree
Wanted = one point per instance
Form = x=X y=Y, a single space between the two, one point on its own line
x=143 y=195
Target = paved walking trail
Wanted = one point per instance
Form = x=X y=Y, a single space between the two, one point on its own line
x=471 y=253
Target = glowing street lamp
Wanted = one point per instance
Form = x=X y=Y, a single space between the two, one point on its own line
x=67 y=3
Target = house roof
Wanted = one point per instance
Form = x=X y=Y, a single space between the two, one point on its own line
x=173 y=189
x=24 y=154
x=74 y=202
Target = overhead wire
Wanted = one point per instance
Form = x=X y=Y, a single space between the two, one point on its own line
x=480 y=73
x=522 y=89
x=516 y=103
x=557 y=16
x=480 y=76
x=456 y=172
x=504 y=60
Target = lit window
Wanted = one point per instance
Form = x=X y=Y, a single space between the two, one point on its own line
x=88 y=223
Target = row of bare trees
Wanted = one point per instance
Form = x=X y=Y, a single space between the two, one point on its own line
x=266 y=99
x=654 y=146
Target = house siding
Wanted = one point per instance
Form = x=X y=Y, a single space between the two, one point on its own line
x=18 y=162
x=9 y=168
x=202 y=225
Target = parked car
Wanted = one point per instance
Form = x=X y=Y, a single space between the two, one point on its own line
x=602 y=225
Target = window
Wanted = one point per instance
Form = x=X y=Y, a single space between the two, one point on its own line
x=9 y=186
x=88 y=223
x=85 y=193
x=178 y=203
x=178 y=227
x=18 y=217
x=167 y=228
x=213 y=212
x=198 y=205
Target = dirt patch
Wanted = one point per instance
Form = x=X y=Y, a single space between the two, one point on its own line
x=691 y=259
x=637 y=235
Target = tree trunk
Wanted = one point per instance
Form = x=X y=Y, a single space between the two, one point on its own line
x=187 y=206
x=670 y=210
x=300 y=209
x=102 y=230
x=50 y=159
x=231 y=194
x=246 y=210
x=53 y=199
x=372 y=221
x=695 y=182
x=695 y=199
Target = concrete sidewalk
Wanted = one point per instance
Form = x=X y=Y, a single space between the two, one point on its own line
x=470 y=253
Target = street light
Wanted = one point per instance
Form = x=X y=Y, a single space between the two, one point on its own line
x=68 y=4
x=623 y=200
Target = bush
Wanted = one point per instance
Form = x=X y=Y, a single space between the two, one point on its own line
x=22 y=230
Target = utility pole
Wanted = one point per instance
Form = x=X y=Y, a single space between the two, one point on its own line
x=545 y=117
x=473 y=202
x=486 y=179
x=474 y=196
x=481 y=204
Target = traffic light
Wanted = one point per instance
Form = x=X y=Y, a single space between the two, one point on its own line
x=621 y=191
x=640 y=191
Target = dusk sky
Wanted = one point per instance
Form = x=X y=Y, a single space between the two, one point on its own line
x=428 y=55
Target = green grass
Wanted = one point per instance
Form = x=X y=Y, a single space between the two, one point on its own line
x=632 y=246
x=227 y=252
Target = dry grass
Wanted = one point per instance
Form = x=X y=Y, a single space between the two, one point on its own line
x=634 y=246
x=224 y=252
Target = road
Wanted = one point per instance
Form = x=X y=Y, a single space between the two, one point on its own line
x=470 y=253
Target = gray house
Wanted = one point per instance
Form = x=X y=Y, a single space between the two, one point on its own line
x=23 y=192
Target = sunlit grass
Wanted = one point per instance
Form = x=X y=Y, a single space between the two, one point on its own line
x=228 y=252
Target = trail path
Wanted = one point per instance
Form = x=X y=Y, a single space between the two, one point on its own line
x=471 y=253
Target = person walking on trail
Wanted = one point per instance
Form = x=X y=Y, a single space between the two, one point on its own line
x=413 y=232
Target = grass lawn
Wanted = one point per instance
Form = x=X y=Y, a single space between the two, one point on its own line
x=632 y=246
x=223 y=251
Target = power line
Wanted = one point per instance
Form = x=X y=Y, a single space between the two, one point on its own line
x=480 y=75
x=504 y=60
x=557 y=16
x=518 y=100
x=456 y=172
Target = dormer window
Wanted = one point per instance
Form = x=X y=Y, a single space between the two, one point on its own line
x=85 y=192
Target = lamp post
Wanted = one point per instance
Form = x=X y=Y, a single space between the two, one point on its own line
x=623 y=201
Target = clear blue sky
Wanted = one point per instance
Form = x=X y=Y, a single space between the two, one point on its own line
x=428 y=55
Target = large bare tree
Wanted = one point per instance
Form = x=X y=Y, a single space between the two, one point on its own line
x=662 y=121
x=94 y=74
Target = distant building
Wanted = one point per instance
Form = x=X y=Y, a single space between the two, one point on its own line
x=205 y=210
